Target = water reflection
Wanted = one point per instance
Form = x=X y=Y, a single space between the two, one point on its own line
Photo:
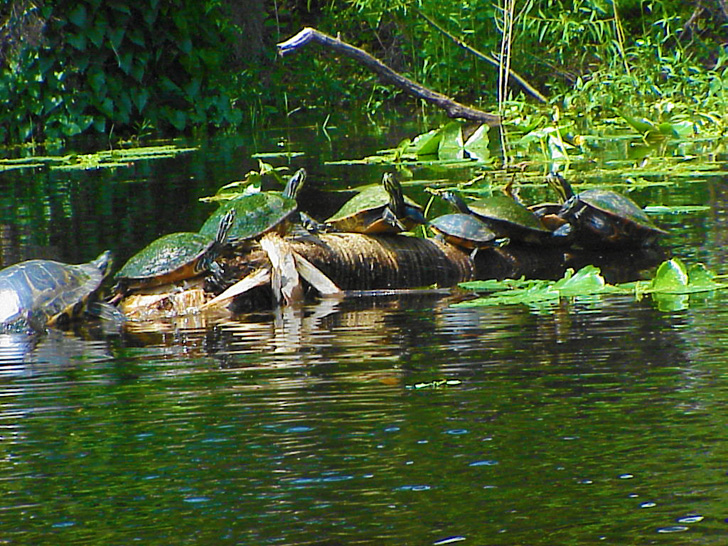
x=600 y=421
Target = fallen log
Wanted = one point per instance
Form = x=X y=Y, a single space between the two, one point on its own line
x=452 y=108
x=278 y=271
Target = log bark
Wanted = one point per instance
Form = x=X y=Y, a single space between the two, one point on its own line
x=380 y=262
x=452 y=108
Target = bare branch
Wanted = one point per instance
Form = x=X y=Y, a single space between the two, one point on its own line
x=452 y=108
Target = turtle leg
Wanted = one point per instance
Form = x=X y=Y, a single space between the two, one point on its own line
x=390 y=218
x=311 y=225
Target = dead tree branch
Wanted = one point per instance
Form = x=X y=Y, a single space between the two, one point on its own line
x=452 y=108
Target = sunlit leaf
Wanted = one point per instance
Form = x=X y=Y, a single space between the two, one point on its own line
x=451 y=144
x=477 y=144
x=428 y=143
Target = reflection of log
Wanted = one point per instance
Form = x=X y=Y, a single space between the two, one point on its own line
x=452 y=108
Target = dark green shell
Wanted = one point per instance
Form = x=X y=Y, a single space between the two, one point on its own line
x=369 y=211
x=39 y=293
x=619 y=206
x=257 y=213
x=504 y=209
x=170 y=258
x=463 y=230
x=174 y=257
x=505 y=216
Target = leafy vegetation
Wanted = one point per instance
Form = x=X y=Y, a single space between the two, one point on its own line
x=655 y=67
x=670 y=287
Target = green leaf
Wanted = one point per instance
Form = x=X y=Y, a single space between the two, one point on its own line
x=77 y=41
x=671 y=277
x=451 y=145
x=428 y=143
x=116 y=35
x=477 y=144
x=96 y=33
x=587 y=281
x=78 y=15
x=139 y=97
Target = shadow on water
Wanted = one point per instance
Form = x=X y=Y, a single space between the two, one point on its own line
x=390 y=420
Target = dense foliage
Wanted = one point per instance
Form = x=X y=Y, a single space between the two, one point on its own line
x=117 y=67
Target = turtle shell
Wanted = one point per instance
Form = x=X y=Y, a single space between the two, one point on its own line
x=506 y=217
x=463 y=230
x=40 y=293
x=603 y=218
x=257 y=213
x=174 y=257
x=371 y=210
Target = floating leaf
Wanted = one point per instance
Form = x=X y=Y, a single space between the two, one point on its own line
x=427 y=144
x=671 y=277
x=451 y=144
x=477 y=145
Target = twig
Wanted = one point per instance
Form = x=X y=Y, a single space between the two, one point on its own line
x=452 y=108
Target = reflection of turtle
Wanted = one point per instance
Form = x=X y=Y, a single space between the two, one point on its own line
x=464 y=230
x=602 y=218
x=257 y=213
x=505 y=216
x=378 y=209
x=41 y=293
x=173 y=258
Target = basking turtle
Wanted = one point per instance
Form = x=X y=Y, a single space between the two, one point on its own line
x=378 y=209
x=40 y=293
x=603 y=218
x=258 y=213
x=506 y=217
x=465 y=231
x=174 y=257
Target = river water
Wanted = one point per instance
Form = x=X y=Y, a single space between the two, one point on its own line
x=373 y=420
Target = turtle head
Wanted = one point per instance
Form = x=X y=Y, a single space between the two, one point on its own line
x=396 y=197
x=456 y=201
x=559 y=184
x=295 y=183
x=225 y=225
x=104 y=262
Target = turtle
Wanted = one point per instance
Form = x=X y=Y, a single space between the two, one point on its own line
x=40 y=293
x=465 y=231
x=603 y=218
x=173 y=257
x=378 y=209
x=506 y=217
x=258 y=213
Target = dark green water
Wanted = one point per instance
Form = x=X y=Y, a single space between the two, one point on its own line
x=603 y=422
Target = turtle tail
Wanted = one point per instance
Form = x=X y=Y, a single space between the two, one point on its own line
x=396 y=197
x=295 y=183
